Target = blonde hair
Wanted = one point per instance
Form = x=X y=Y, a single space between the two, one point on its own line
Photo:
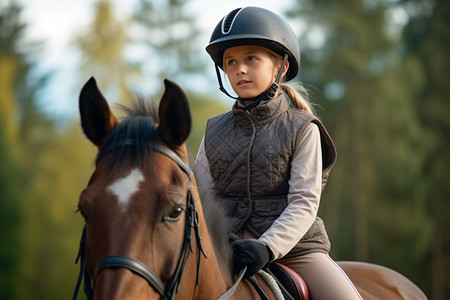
x=298 y=95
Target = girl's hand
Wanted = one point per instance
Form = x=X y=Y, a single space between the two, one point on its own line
x=249 y=253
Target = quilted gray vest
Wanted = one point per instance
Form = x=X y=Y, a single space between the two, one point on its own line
x=249 y=155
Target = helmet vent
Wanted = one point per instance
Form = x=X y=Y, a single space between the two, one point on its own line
x=228 y=21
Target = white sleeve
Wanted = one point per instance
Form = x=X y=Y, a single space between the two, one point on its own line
x=305 y=187
x=201 y=168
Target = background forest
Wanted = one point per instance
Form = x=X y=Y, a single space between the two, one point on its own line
x=380 y=85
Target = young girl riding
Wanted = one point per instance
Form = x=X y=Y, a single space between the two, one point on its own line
x=268 y=159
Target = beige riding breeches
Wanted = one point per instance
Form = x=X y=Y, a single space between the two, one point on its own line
x=325 y=279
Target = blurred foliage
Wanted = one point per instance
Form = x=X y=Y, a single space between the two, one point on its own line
x=383 y=97
x=427 y=39
x=59 y=169
x=11 y=216
x=16 y=90
x=170 y=33
x=376 y=87
x=103 y=45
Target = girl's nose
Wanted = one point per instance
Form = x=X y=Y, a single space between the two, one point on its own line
x=241 y=69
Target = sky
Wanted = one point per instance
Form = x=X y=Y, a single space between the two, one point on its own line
x=55 y=22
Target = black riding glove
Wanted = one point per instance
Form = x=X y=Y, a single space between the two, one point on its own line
x=249 y=253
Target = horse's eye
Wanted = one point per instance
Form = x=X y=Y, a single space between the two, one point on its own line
x=175 y=215
x=83 y=214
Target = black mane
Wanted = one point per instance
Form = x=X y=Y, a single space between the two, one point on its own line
x=131 y=141
x=218 y=225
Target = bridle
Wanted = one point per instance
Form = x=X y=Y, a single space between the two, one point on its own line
x=168 y=290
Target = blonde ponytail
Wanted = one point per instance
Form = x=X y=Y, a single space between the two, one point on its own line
x=295 y=91
x=298 y=96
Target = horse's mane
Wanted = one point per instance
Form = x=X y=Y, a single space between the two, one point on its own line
x=136 y=129
x=218 y=226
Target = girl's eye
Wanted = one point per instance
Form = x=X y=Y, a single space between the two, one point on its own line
x=231 y=62
x=251 y=58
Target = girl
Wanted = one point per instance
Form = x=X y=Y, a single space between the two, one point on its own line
x=268 y=161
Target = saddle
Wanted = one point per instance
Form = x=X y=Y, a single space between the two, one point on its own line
x=291 y=284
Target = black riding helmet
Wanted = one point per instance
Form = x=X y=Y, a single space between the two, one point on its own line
x=255 y=26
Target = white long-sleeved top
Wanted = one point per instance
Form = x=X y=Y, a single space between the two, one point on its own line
x=305 y=187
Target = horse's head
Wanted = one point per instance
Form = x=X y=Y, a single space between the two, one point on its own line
x=137 y=201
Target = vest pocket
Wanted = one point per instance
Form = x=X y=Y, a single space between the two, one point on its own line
x=268 y=207
x=265 y=212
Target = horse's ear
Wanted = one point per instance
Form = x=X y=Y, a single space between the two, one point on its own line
x=97 y=120
x=174 y=115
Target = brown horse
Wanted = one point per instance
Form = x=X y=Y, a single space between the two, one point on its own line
x=146 y=236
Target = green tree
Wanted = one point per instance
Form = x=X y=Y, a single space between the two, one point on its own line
x=171 y=35
x=13 y=75
x=103 y=46
x=375 y=194
x=10 y=218
x=427 y=40
x=58 y=171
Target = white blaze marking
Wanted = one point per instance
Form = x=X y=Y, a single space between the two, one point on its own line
x=125 y=187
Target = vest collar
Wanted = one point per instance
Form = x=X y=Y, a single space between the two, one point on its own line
x=261 y=114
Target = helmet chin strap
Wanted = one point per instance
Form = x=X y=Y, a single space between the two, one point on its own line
x=255 y=101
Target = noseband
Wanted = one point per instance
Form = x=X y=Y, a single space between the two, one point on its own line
x=169 y=290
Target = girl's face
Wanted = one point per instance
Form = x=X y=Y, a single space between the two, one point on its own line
x=250 y=69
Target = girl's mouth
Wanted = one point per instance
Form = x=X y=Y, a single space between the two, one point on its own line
x=243 y=82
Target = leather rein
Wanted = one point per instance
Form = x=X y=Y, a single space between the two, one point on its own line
x=169 y=290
